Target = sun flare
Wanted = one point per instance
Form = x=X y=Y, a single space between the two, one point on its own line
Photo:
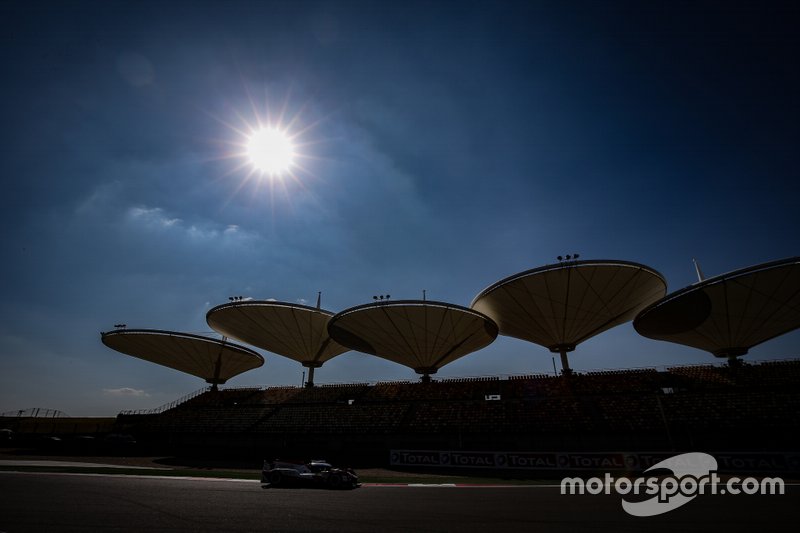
x=270 y=151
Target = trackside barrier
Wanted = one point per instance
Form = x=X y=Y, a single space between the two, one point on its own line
x=735 y=462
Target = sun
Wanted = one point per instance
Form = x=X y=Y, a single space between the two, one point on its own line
x=271 y=151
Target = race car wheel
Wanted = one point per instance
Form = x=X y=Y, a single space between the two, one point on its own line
x=275 y=478
x=335 y=481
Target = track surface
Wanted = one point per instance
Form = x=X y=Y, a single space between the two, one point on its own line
x=49 y=502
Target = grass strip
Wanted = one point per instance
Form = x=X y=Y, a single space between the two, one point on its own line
x=133 y=471
x=231 y=474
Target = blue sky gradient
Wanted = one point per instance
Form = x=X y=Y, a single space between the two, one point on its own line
x=445 y=145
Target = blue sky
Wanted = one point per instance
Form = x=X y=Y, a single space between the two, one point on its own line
x=445 y=145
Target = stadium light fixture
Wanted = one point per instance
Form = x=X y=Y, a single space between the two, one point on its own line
x=568 y=257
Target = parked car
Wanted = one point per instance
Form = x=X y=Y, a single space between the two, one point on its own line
x=316 y=473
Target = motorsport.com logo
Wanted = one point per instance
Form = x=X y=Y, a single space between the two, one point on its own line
x=693 y=474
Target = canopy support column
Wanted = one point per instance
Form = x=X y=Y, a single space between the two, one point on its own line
x=562 y=349
x=425 y=373
x=565 y=369
x=311 y=365
x=218 y=365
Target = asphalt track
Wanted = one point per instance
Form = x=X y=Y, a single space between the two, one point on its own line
x=68 y=502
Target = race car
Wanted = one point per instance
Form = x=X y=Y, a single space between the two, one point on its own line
x=316 y=473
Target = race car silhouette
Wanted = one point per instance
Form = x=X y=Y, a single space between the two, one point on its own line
x=316 y=473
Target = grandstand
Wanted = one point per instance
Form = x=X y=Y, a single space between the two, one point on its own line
x=745 y=408
x=751 y=408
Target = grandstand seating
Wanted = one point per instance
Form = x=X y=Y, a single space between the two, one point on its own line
x=682 y=407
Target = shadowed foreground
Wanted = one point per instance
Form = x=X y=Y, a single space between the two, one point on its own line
x=45 y=502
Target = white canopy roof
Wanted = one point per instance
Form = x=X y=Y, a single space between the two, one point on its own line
x=423 y=335
x=211 y=359
x=295 y=331
x=729 y=314
x=560 y=306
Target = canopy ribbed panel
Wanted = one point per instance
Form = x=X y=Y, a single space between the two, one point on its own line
x=291 y=330
x=422 y=335
x=188 y=353
x=563 y=305
x=731 y=313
